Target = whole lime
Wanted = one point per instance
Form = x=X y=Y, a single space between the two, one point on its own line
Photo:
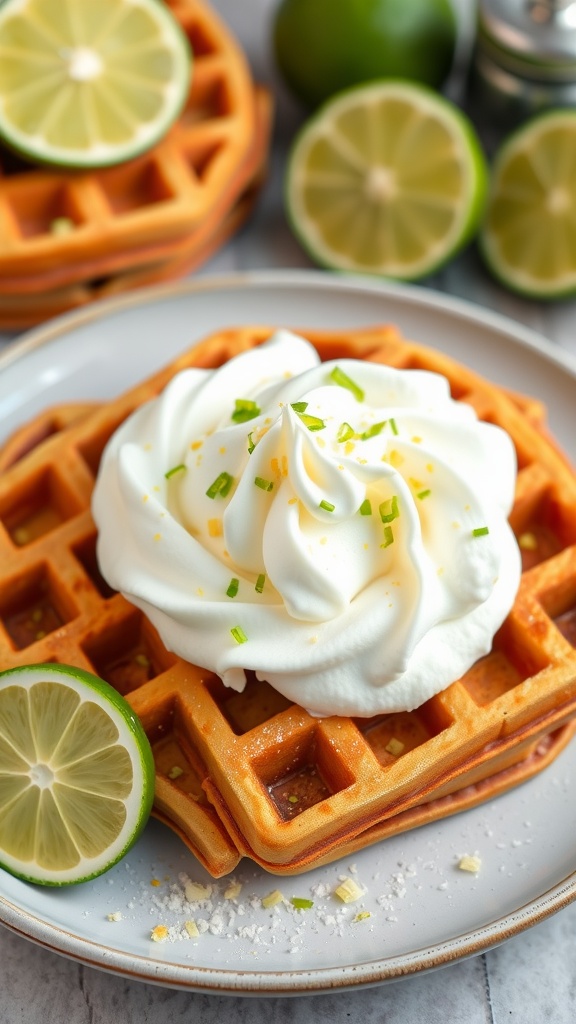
x=323 y=46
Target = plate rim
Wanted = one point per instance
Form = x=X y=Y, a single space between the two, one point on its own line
x=322 y=979
x=420 y=295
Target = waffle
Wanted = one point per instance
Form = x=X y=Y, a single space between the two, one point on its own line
x=145 y=213
x=251 y=774
x=25 y=306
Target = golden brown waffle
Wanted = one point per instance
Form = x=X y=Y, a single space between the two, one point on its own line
x=250 y=774
x=162 y=194
x=24 y=308
x=65 y=236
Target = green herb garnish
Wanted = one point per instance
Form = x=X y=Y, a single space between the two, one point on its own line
x=264 y=485
x=366 y=508
x=259 y=585
x=393 y=426
x=221 y=486
x=300 y=903
x=312 y=422
x=239 y=635
x=299 y=406
x=338 y=376
x=175 y=469
x=245 y=409
x=389 y=510
x=373 y=431
x=327 y=505
x=345 y=432
x=251 y=445
x=423 y=494
x=388 y=537
x=480 y=531
x=233 y=587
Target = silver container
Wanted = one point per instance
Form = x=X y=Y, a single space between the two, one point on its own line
x=524 y=59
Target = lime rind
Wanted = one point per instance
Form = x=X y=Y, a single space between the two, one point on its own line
x=364 y=41
x=90 y=121
x=110 y=811
x=466 y=156
x=526 y=229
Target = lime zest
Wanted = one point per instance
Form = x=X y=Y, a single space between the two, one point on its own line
x=389 y=509
x=345 y=432
x=480 y=531
x=388 y=537
x=373 y=431
x=180 y=468
x=263 y=484
x=259 y=585
x=394 y=747
x=239 y=634
x=61 y=226
x=348 y=891
x=272 y=899
x=233 y=587
x=245 y=409
x=366 y=507
x=424 y=494
x=221 y=486
x=337 y=376
x=393 y=426
x=312 y=422
x=326 y=505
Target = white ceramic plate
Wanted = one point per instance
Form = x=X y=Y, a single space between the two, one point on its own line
x=424 y=912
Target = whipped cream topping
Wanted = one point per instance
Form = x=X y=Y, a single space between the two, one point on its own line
x=340 y=528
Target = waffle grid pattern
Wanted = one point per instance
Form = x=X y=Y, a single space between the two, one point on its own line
x=252 y=774
x=152 y=218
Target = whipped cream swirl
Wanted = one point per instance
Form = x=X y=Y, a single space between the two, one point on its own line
x=340 y=528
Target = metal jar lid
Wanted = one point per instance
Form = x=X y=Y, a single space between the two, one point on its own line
x=524 y=62
x=535 y=39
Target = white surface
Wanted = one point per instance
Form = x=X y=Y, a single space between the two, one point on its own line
x=529 y=978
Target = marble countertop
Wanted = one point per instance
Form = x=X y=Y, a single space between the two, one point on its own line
x=529 y=978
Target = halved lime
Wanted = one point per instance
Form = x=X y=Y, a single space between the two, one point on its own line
x=387 y=178
x=88 y=83
x=528 y=238
x=76 y=774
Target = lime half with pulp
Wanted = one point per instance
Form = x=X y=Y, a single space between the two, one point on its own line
x=528 y=238
x=76 y=774
x=387 y=178
x=89 y=83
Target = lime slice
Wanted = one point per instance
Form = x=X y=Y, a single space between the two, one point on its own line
x=528 y=238
x=387 y=178
x=76 y=774
x=88 y=83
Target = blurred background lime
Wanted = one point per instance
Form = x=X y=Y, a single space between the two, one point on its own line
x=386 y=178
x=323 y=46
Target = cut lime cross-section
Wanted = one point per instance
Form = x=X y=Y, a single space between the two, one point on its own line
x=88 y=83
x=76 y=774
x=528 y=238
x=387 y=178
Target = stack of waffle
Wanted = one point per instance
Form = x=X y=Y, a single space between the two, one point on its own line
x=251 y=774
x=67 y=238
